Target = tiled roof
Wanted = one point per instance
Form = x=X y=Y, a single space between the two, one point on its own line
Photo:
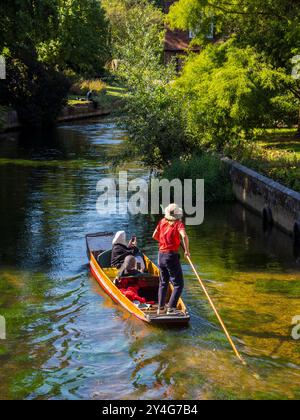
x=176 y=40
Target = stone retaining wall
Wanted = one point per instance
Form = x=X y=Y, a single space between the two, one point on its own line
x=274 y=202
x=69 y=113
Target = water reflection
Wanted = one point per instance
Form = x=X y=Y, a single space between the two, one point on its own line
x=66 y=339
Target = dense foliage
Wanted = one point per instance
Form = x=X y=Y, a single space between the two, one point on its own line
x=80 y=41
x=271 y=29
x=68 y=34
x=229 y=91
x=137 y=33
x=44 y=42
x=36 y=91
x=153 y=121
x=152 y=112
x=204 y=166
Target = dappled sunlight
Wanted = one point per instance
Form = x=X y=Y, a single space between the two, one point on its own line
x=67 y=339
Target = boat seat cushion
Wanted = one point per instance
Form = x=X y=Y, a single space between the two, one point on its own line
x=143 y=281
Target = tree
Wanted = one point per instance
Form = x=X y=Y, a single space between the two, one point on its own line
x=36 y=91
x=227 y=92
x=67 y=34
x=137 y=32
x=25 y=24
x=42 y=41
x=154 y=126
x=81 y=39
x=152 y=113
x=271 y=27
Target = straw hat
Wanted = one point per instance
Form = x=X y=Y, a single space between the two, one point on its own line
x=173 y=212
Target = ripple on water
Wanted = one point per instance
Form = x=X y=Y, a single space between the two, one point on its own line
x=66 y=339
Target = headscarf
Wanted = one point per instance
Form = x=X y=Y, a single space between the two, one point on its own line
x=120 y=238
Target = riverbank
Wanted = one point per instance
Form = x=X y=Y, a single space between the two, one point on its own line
x=78 y=108
x=69 y=113
x=274 y=202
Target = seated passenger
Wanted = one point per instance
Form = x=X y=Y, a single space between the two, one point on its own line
x=128 y=269
x=121 y=249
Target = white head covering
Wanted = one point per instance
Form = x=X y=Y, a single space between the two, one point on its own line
x=120 y=238
x=173 y=212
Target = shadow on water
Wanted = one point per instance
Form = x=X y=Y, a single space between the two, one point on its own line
x=67 y=339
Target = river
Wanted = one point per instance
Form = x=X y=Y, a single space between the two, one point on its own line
x=65 y=337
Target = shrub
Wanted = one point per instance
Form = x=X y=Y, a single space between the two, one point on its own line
x=208 y=167
x=82 y=87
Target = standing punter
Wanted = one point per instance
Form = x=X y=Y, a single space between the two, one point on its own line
x=169 y=233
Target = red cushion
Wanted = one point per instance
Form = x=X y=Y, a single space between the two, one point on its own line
x=132 y=294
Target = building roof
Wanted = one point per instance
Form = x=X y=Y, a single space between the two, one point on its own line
x=176 y=40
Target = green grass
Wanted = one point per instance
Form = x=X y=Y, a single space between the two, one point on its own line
x=76 y=100
x=110 y=98
x=281 y=139
x=274 y=153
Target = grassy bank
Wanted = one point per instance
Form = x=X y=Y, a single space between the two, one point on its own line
x=108 y=96
x=281 y=140
x=275 y=153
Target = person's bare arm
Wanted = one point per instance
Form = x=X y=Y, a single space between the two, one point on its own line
x=155 y=235
x=186 y=242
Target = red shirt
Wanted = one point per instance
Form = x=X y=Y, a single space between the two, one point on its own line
x=168 y=235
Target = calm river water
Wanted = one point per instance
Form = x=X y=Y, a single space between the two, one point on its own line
x=67 y=340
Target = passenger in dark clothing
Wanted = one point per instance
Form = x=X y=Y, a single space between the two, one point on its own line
x=121 y=249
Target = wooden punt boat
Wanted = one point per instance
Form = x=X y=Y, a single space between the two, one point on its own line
x=99 y=254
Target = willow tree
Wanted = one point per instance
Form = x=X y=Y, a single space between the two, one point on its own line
x=271 y=27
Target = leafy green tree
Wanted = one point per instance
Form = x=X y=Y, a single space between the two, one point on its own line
x=228 y=92
x=36 y=91
x=271 y=27
x=67 y=34
x=26 y=23
x=42 y=40
x=155 y=130
x=81 y=40
x=137 y=32
x=152 y=112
